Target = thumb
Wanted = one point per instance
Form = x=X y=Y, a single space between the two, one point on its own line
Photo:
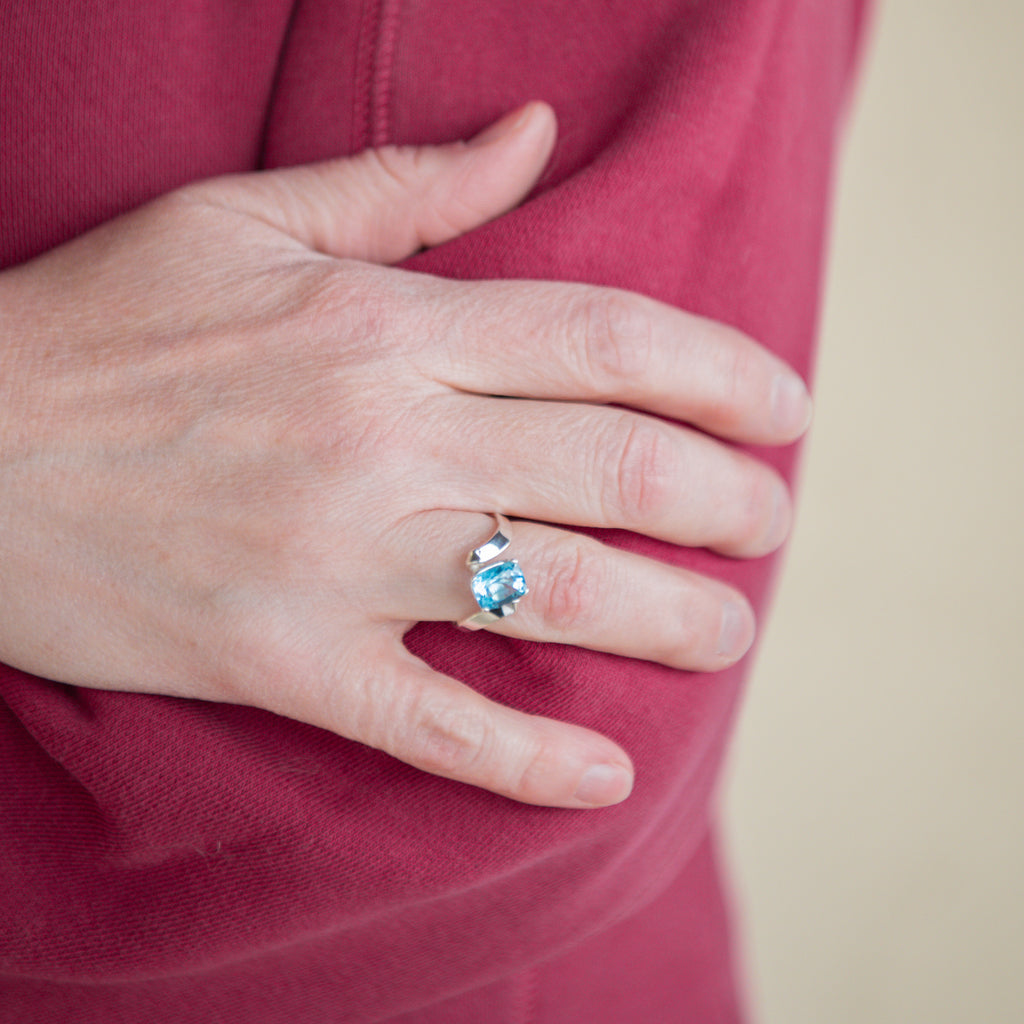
x=384 y=204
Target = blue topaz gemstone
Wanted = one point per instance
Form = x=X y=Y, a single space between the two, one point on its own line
x=498 y=585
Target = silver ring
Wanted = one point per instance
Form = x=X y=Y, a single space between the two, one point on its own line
x=498 y=583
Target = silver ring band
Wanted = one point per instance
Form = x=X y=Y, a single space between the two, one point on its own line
x=497 y=586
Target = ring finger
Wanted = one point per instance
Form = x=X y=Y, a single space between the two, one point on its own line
x=581 y=592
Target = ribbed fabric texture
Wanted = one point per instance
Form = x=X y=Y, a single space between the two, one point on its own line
x=178 y=862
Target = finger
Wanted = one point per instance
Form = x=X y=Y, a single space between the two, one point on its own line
x=596 y=466
x=439 y=725
x=553 y=340
x=581 y=592
x=384 y=204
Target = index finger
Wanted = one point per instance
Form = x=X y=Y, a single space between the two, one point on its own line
x=553 y=340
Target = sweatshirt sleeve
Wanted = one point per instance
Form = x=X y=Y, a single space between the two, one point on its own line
x=157 y=853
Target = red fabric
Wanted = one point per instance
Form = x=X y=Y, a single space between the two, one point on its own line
x=175 y=861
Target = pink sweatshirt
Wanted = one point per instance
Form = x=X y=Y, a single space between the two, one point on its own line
x=177 y=862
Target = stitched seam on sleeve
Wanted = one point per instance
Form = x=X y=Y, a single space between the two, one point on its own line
x=387 y=32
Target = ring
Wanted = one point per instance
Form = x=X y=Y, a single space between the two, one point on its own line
x=497 y=586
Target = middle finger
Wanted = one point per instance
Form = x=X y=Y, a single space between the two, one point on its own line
x=605 y=467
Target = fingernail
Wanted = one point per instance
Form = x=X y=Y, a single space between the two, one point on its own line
x=506 y=125
x=604 y=784
x=735 y=636
x=791 y=405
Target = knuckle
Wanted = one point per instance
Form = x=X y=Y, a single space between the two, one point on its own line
x=355 y=440
x=637 y=465
x=733 y=385
x=449 y=741
x=329 y=418
x=615 y=340
x=758 y=510
x=573 y=586
x=252 y=661
x=696 y=629
x=543 y=763
x=399 y=166
x=346 y=309
x=456 y=203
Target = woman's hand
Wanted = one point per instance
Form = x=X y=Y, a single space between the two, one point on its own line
x=240 y=458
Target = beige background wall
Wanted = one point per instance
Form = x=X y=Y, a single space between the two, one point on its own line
x=876 y=802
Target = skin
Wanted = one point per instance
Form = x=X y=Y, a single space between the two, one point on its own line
x=234 y=461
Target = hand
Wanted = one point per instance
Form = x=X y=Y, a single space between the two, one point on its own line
x=240 y=458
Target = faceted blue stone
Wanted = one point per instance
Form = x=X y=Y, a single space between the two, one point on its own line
x=498 y=584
